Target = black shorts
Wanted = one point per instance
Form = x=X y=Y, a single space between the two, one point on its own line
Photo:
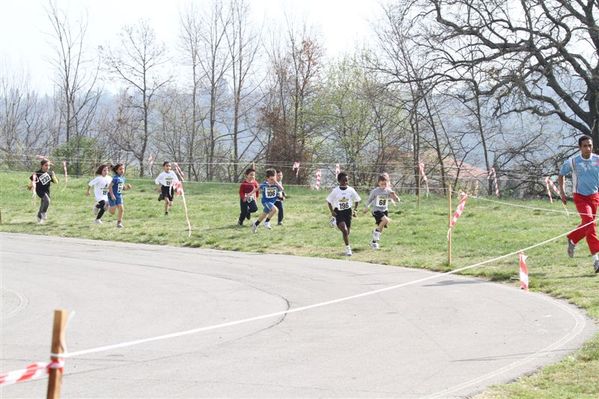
x=378 y=216
x=343 y=216
x=167 y=192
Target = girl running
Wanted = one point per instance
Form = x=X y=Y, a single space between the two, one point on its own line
x=115 y=192
x=100 y=184
x=41 y=180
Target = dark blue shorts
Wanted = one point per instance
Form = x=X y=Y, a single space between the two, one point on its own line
x=117 y=201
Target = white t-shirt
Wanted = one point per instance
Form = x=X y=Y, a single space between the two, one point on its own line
x=100 y=185
x=166 y=179
x=343 y=199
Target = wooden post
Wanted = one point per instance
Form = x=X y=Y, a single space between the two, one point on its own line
x=418 y=188
x=449 y=225
x=58 y=331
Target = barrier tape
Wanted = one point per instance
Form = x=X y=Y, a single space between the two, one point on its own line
x=33 y=371
x=423 y=175
x=179 y=189
x=458 y=212
x=493 y=175
x=318 y=175
x=523 y=271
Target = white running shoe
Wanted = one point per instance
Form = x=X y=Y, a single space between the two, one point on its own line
x=119 y=225
x=333 y=222
x=374 y=245
x=348 y=251
x=267 y=225
x=254 y=228
x=40 y=220
x=44 y=216
x=376 y=235
x=98 y=221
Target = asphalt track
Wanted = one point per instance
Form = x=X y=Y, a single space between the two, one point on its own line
x=447 y=336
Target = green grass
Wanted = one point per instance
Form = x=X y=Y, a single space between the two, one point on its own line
x=416 y=238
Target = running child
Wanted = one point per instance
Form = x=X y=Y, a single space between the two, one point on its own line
x=43 y=178
x=100 y=184
x=280 y=199
x=379 y=199
x=248 y=194
x=342 y=202
x=166 y=179
x=269 y=189
x=115 y=193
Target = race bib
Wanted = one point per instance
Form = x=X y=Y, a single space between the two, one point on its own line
x=381 y=201
x=105 y=191
x=119 y=189
x=270 y=192
x=44 y=179
x=168 y=181
x=344 y=204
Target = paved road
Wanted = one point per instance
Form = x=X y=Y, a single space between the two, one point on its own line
x=447 y=336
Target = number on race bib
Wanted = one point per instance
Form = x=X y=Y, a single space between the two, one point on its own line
x=344 y=205
x=168 y=181
x=44 y=179
x=271 y=192
x=381 y=201
x=119 y=189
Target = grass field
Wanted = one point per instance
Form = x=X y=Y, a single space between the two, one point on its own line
x=416 y=238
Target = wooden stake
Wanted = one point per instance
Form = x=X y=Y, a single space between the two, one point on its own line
x=449 y=226
x=418 y=189
x=58 y=331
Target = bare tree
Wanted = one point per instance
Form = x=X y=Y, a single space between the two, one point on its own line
x=137 y=62
x=214 y=61
x=538 y=56
x=23 y=129
x=76 y=77
x=291 y=91
x=243 y=43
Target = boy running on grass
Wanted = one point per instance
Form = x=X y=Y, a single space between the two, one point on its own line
x=166 y=179
x=248 y=192
x=342 y=202
x=379 y=199
x=269 y=190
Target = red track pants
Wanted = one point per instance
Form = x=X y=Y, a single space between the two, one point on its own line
x=587 y=209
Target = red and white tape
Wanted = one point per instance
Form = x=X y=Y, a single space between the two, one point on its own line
x=32 y=372
x=64 y=167
x=459 y=210
x=151 y=160
x=178 y=171
x=318 y=176
x=178 y=187
x=523 y=271
x=33 y=184
x=423 y=175
x=493 y=175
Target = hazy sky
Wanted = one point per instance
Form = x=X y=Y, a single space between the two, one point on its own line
x=25 y=44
